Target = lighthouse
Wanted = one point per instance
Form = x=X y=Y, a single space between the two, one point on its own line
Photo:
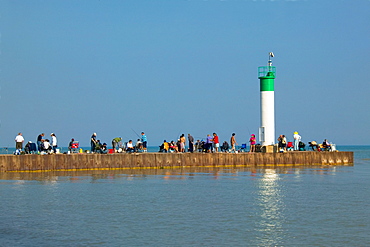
x=266 y=75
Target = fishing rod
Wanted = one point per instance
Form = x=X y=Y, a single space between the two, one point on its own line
x=135 y=133
x=248 y=130
x=178 y=136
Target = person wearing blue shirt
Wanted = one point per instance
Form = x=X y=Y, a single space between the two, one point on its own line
x=144 y=141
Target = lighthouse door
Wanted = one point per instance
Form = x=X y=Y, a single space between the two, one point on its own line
x=262 y=134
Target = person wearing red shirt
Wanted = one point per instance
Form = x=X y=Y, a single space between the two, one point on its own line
x=252 y=141
x=216 y=143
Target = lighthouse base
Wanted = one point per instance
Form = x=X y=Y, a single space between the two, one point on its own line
x=269 y=149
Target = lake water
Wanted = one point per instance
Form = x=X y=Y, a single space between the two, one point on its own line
x=302 y=206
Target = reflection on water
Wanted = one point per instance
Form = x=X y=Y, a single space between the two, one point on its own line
x=268 y=174
x=271 y=208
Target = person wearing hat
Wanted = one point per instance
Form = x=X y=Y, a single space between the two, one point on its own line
x=297 y=139
x=252 y=141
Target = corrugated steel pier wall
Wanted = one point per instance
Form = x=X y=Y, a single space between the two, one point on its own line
x=56 y=162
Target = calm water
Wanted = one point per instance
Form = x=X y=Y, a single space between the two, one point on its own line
x=305 y=206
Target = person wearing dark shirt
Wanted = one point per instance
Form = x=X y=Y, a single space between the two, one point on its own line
x=39 y=142
x=191 y=143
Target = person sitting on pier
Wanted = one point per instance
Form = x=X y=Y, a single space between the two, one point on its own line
x=225 y=147
x=325 y=145
x=130 y=147
x=103 y=149
x=164 y=147
x=70 y=144
x=172 y=147
x=197 y=146
x=290 y=146
x=301 y=146
x=139 y=146
x=313 y=145
x=30 y=148
x=97 y=146
x=46 y=147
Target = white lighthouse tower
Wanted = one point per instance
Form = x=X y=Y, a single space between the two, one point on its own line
x=266 y=74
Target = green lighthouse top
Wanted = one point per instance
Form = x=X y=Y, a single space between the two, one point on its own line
x=267 y=72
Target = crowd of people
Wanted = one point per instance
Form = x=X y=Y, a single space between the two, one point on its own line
x=42 y=144
x=118 y=146
x=210 y=144
x=298 y=145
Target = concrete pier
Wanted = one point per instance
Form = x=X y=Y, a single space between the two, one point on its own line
x=65 y=162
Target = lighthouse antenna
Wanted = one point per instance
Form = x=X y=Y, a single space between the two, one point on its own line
x=269 y=63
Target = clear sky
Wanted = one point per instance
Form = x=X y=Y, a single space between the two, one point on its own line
x=183 y=66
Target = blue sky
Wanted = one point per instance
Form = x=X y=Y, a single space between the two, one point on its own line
x=173 y=67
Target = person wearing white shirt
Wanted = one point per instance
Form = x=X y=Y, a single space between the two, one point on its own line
x=46 y=146
x=54 y=142
x=19 y=141
x=130 y=147
x=297 y=139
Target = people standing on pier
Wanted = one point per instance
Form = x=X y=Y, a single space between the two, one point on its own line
x=233 y=143
x=216 y=142
x=252 y=142
x=39 y=142
x=144 y=141
x=93 y=142
x=297 y=139
x=54 y=142
x=191 y=143
x=19 y=141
